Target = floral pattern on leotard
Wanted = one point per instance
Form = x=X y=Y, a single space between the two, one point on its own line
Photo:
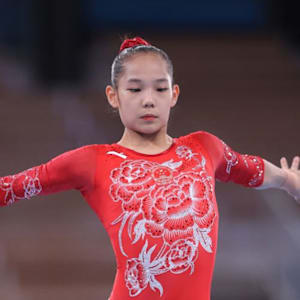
x=165 y=202
x=230 y=158
x=30 y=186
x=258 y=175
x=248 y=160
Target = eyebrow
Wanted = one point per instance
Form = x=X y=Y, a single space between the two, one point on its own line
x=139 y=80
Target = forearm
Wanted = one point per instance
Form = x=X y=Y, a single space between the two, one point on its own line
x=274 y=177
x=20 y=186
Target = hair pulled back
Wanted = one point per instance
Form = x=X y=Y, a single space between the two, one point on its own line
x=131 y=47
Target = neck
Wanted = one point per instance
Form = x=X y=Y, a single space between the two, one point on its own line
x=146 y=143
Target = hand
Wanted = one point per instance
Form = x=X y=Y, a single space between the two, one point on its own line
x=291 y=183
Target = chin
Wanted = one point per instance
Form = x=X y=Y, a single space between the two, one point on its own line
x=147 y=131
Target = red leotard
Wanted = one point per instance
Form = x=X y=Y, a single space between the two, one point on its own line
x=159 y=210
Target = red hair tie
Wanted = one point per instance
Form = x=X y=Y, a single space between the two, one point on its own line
x=128 y=43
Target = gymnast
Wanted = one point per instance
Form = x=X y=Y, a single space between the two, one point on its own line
x=154 y=194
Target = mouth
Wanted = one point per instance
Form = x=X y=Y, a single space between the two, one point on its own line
x=148 y=117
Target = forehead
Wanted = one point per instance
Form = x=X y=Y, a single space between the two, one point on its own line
x=145 y=66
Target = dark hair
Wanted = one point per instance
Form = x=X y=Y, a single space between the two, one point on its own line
x=131 y=47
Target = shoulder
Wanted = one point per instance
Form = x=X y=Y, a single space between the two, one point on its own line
x=205 y=141
x=200 y=136
x=83 y=153
x=91 y=149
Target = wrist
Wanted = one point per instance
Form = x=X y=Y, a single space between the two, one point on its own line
x=290 y=185
x=285 y=181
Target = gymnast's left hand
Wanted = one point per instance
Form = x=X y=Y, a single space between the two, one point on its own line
x=291 y=183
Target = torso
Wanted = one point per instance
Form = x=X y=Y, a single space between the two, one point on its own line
x=161 y=215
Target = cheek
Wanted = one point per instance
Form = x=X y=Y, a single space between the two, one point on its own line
x=165 y=105
x=127 y=111
x=164 y=114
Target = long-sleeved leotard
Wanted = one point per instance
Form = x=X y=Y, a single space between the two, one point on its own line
x=159 y=210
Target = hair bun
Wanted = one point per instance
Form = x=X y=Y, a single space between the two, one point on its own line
x=136 y=41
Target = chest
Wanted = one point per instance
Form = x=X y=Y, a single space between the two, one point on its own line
x=177 y=185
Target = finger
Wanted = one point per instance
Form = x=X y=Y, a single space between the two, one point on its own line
x=295 y=163
x=283 y=162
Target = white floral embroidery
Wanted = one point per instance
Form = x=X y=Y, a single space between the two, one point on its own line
x=184 y=152
x=257 y=177
x=245 y=157
x=29 y=181
x=161 y=202
x=232 y=160
x=141 y=271
x=172 y=165
x=187 y=154
x=230 y=157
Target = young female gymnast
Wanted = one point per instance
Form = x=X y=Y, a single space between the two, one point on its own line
x=154 y=194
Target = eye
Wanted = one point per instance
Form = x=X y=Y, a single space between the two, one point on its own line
x=134 y=90
x=162 y=89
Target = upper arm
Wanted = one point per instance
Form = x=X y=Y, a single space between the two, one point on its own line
x=230 y=165
x=71 y=170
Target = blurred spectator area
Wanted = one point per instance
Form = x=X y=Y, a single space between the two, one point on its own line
x=53 y=35
x=204 y=15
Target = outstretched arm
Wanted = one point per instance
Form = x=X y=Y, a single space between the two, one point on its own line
x=71 y=170
x=284 y=178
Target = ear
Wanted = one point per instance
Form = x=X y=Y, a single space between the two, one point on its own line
x=112 y=96
x=175 y=94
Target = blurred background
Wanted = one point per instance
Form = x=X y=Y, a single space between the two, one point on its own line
x=238 y=65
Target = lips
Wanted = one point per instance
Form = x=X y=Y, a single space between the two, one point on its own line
x=148 y=117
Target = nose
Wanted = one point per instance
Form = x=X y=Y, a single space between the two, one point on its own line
x=148 y=100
